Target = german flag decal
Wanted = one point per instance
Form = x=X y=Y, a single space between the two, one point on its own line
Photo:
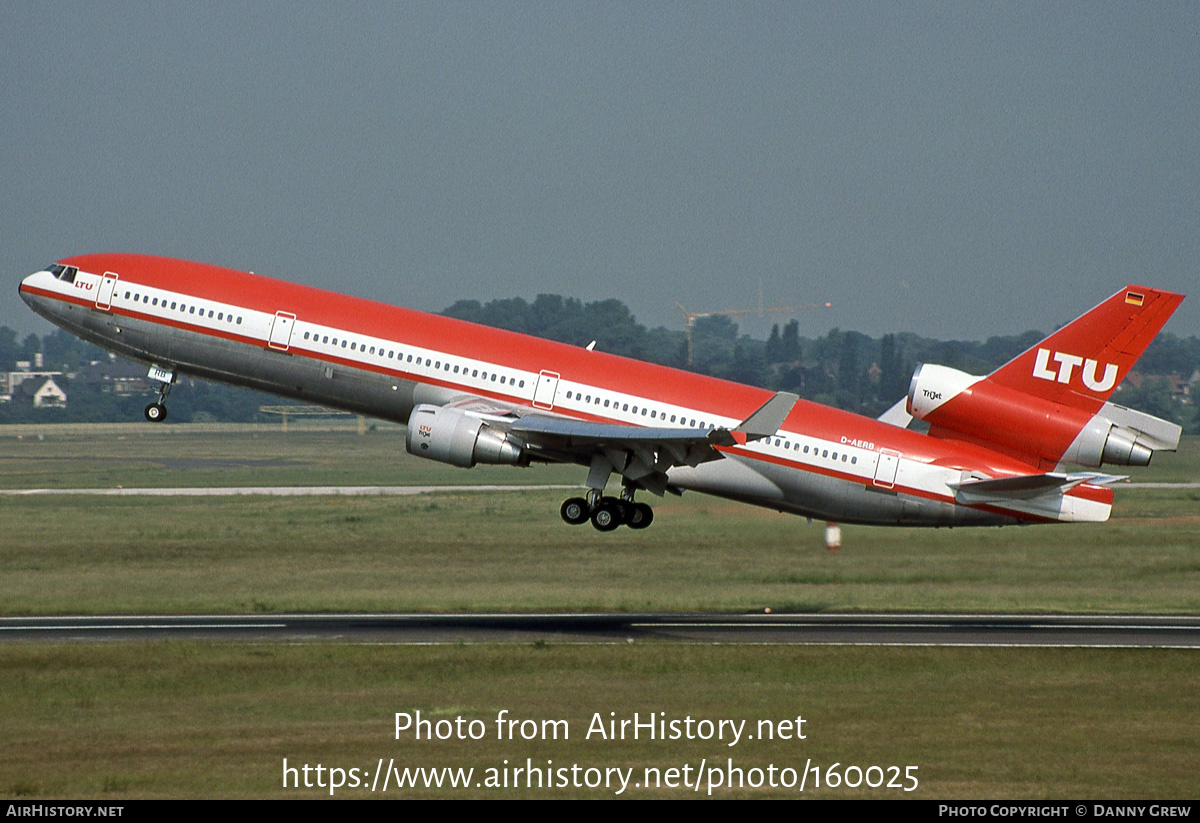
x=1134 y=298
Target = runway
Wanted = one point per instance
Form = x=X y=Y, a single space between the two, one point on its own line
x=1097 y=631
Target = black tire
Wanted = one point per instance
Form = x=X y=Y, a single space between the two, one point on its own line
x=606 y=517
x=575 y=511
x=622 y=507
x=640 y=516
x=156 y=412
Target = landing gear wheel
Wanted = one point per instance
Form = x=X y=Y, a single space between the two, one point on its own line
x=575 y=510
x=621 y=507
x=156 y=412
x=606 y=517
x=640 y=516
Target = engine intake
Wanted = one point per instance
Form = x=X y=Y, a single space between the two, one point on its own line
x=454 y=437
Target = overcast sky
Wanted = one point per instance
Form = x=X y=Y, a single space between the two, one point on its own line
x=954 y=169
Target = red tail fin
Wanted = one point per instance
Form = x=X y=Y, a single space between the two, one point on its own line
x=1083 y=362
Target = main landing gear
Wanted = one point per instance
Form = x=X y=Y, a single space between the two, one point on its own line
x=607 y=513
x=157 y=412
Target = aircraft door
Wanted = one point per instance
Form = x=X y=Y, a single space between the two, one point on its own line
x=281 y=331
x=105 y=293
x=547 y=387
x=885 y=469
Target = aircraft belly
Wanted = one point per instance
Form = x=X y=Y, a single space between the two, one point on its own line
x=819 y=496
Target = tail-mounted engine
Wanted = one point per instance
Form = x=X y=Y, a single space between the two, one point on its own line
x=454 y=437
x=1025 y=424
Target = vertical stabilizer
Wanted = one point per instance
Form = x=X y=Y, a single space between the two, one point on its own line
x=1081 y=364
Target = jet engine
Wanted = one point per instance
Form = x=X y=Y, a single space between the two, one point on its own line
x=455 y=437
x=1018 y=422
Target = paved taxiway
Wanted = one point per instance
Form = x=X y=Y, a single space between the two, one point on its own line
x=1100 y=631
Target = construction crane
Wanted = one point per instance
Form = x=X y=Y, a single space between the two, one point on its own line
x=689 y=317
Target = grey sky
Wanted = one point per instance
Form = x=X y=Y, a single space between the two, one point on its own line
x=954 y=169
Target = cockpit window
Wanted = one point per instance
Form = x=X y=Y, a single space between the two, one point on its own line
x=65 y=273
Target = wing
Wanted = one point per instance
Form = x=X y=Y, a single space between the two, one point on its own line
x=641 y=455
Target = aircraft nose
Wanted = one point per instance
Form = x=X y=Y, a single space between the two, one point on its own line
x=26 y=286
x=34 y=289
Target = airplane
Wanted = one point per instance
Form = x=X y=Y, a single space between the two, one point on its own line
x=959 y=450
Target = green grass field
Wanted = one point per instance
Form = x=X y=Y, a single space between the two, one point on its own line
x=509 y=551
x=176 y=719
x=205 y=720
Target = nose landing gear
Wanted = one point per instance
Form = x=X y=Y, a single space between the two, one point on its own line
x=157 y=412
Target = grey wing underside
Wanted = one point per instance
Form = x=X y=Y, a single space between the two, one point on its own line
x=641 y=455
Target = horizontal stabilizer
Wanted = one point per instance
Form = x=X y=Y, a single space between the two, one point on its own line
x=897 y=415
x=1026 y=486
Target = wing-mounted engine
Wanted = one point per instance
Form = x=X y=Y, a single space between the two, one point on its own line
x=1017 y=422
x=460 y=439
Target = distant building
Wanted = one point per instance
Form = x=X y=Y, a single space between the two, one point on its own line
x=41 y=393
x=12 y=383
x=119 y=377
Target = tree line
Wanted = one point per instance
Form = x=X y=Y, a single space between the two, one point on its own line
x=846 y=369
